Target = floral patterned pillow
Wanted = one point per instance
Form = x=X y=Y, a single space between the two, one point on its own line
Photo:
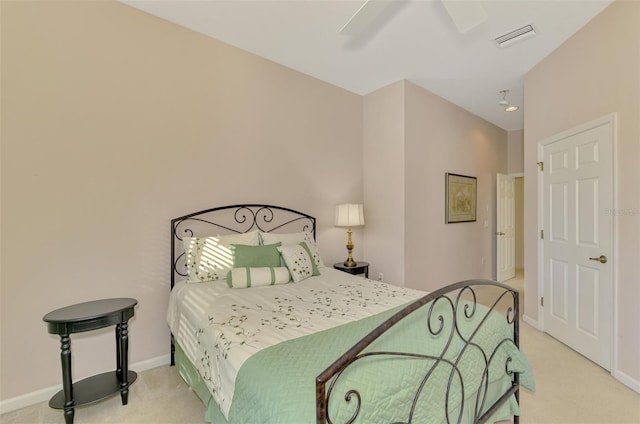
x=298 y=259
x=288 y=239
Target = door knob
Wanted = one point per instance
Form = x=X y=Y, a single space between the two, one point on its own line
x=500 y=233
x=602 y=259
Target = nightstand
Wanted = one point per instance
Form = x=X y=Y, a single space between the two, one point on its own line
x=360 y=268
x=86 y=317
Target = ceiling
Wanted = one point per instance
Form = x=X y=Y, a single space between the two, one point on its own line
x=415 y=40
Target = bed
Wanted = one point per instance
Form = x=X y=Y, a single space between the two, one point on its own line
x=263 y=332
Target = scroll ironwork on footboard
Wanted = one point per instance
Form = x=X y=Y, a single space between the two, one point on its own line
x=466 y=376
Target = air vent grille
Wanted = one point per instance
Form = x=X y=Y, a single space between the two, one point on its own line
x=519 y=34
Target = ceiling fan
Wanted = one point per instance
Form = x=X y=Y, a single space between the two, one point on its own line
x=466 y=15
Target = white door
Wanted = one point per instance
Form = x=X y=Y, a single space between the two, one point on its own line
x=505 y=228
x=577 y=192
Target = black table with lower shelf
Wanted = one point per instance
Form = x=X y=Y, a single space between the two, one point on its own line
x=86 y=317
x=359 y=268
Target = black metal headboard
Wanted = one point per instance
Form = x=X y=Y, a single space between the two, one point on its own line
x=234 y=219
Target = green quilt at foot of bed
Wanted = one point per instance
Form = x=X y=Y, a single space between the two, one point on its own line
x=277 y=385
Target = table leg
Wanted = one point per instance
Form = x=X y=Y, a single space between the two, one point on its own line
x=122 y=332
x=118 y=357
x=67 y=382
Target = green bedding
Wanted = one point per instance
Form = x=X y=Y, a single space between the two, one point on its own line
x=277 y=385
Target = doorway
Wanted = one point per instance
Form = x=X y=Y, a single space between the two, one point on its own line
x=510 y=231
x=510 y=227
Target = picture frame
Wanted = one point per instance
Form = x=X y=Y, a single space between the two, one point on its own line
x=460 y=198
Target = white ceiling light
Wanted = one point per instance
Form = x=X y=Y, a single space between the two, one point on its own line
x=504 y=102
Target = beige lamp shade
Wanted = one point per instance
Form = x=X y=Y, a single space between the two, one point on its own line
x=349 y=215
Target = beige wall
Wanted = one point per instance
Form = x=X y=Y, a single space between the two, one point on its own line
x=114 y=122
x=515 y=150
x=412 y=138
x=593 y=74
x=384 y=179
x=442 y=137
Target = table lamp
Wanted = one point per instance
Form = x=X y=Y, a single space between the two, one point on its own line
x=349 y=215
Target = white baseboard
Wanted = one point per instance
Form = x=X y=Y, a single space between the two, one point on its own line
x=42 y=395
x=627 y=380
x=156 y=362
x=532 y=322
x=28 y=399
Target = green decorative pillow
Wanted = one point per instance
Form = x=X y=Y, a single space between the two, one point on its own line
x=255 y=256
x=242 y=278
x=210 y=258
x=299 y=261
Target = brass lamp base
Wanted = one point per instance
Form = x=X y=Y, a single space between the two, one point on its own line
x=349 y=262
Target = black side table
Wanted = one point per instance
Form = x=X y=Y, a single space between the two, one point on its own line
x=86 y=317
x=359 y=268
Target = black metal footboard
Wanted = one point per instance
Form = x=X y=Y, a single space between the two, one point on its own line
x=442 y=313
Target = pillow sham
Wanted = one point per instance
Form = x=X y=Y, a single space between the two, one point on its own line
x=242 y=278
x=288 y=239
x=210 y=258
x=298 y=259
x=251 y=238
x=245 y=256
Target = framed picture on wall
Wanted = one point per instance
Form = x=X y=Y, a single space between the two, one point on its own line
x=461 y=195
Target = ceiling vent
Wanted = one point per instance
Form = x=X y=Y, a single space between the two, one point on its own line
x=516 y=35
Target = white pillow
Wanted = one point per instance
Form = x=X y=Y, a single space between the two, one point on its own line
x=211 y=258
x=288 y=239
x=297 y=259
x=241 y=278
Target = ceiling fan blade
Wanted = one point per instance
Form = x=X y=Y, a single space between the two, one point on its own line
x=466 y=15
x=364 y=16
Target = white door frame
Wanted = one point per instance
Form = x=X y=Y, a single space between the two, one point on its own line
x=612 y=120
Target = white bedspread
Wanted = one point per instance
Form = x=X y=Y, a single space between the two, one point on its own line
x=219 y=328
